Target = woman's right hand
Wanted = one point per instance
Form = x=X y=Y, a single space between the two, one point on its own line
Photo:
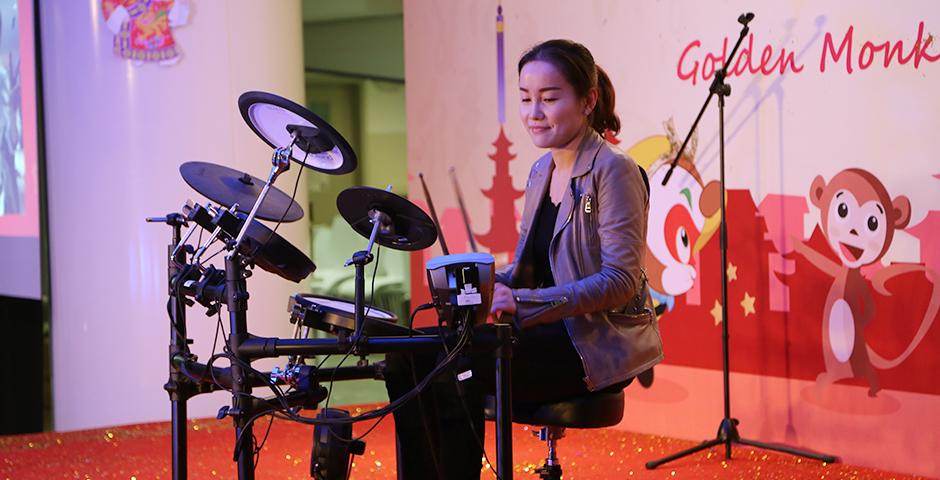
x=503 y=301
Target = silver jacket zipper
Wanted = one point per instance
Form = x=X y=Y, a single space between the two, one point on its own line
x=551 y=250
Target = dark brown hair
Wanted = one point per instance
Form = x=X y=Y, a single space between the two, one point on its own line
x=576 y=64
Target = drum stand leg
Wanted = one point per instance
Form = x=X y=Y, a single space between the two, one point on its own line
x=504 y=401
x=237 y=302
x=179 y=387
x=178 y=411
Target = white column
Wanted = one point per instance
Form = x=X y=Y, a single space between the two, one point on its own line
x=116 y=134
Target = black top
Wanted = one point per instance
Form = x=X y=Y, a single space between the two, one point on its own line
x=548 y=339
x=542 y=231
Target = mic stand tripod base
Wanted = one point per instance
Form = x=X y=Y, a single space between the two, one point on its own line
x=728 y=430
x=728 y=434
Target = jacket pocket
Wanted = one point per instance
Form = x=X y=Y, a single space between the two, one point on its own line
x=640 y=331
x=628 y=320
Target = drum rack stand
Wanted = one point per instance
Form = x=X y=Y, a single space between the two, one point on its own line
x=188 y=377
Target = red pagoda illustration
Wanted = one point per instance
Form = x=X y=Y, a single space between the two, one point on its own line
x=503 y=235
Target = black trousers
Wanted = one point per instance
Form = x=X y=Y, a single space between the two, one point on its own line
x=440 y=435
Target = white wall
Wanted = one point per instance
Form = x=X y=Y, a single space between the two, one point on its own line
x=115 y=136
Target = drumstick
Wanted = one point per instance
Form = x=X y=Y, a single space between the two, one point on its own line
x=463 y=209
x=437 y=224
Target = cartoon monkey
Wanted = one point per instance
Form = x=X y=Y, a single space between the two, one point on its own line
x=858 y=219
x=678 y=215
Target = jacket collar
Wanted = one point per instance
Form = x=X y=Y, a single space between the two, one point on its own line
x=590 y=145
x=584 y=162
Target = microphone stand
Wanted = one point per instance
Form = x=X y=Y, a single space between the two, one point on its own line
x=728 y=429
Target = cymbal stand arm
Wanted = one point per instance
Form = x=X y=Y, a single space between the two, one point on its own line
x=377 y=218
x=280 y=163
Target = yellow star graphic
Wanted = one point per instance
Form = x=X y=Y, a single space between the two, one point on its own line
x=748 y=304
x=716 y=312
x=732 y=272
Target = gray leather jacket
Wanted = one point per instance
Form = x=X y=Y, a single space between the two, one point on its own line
x=596 y=256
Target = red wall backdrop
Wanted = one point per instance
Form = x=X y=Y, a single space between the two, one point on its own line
x=831 y=104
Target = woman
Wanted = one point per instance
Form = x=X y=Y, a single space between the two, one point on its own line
x=576 y=291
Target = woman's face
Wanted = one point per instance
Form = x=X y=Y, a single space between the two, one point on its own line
x=549 y=108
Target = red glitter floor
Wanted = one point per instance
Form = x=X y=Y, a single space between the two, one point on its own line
x=140 y=452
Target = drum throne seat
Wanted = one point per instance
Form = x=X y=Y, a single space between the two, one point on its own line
x=595 y=410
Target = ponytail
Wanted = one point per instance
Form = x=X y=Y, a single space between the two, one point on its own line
x=603 y=117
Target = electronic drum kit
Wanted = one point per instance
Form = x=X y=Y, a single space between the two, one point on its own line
x=237 y=203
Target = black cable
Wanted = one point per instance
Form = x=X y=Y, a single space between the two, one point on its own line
x=198 y=241
x=392 y=406
x=289 y=413
x=350 y=465
x=210 y=257
x=263 y=441
x=415 y=380
x=333 y=375
x=278 y=393
x=325 y=358
x=378 y=254
x=274 y=388
x=215 y=342
x=248 y=369
x=180 y=302
x=256 y=448
x=227 y=353
x=376 y=424
x=476 y=434
x=375 y=269
x=466 y=409
x=418 y=309
x=218 y=326
x=176 y=328
x=379 y=413
x=289 y=204
x=292 y=196
x=427 y=432
x=248 y=424
x=440 y=327
x=246 y=366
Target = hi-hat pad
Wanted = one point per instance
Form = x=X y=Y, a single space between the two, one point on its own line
x=278 y=121
x=404 y=225
x=227 y=186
